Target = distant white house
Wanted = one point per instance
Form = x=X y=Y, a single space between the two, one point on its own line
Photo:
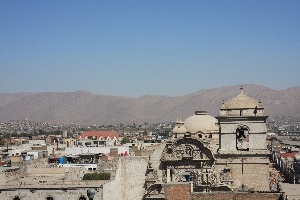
x=88 y=166
x=270 y=134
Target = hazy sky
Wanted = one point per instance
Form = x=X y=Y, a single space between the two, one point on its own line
x=132 y=48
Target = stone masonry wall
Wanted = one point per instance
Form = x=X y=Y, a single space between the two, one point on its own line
x=30 y=164
x=8 y=176
x=112 y=189
x=57 y=194
x=155 y=159
x=257 y=136
x=129 y=179
x=24 y=167
x=133 y=170
x=253 y=172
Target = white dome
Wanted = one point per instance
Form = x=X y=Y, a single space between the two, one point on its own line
x=179 y=129
x=201 y=122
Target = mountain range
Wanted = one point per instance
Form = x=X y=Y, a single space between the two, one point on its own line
x=84 y=107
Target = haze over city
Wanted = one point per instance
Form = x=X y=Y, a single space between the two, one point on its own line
x=122 y=100
x=133 y=48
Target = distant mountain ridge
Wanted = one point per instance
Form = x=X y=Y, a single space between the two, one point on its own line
x=84 y=107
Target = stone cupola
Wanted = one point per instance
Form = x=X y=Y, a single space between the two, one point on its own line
x=242 y=105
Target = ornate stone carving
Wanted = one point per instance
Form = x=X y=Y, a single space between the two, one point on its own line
x=213 y=180
x=155 y=191
x=187 y=148
x=189 y=159
x=225 y=176
x=151 y=177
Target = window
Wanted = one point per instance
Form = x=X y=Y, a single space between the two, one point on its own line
x=242 y=138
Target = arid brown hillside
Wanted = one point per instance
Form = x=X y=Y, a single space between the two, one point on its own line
x=83 y=107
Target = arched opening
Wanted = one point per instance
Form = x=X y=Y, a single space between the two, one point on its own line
x=82 y=198
x=188 y=160
x=49 y=198
x=200 y=134
x=16 y=198
x=242 y=138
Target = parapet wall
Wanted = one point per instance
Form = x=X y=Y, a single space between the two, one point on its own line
x=180 y=191
x=57 y=194
x=236 y=196
x=7 y=176
x=129 y=179
x=35 y=163
x=133 y=170
x=111 y=190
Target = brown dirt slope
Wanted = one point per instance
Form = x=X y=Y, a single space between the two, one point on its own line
x=83 y=107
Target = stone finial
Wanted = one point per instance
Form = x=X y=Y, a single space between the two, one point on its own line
x=227 y=166
x=241 y=88
x=91 y=193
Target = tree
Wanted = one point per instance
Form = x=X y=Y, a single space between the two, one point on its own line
x=2 y=142
x=125 y=140
x=97 y=176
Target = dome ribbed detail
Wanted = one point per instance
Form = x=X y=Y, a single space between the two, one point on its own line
x=241 y=101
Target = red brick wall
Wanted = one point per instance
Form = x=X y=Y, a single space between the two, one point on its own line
x=178 y=191
x=235 y=196
x=257 y=196
x=181 y=191
x=210 y=196
x=39 y=148
x=143 y=153
x=114 y=152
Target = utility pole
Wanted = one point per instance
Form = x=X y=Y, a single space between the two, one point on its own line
x=286 y=163
x=8 y=139
x=243 y=172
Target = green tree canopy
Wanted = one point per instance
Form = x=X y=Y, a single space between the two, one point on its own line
x=96 y=176
x=125 y=140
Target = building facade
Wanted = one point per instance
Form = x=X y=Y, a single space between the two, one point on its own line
x=208 y=158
